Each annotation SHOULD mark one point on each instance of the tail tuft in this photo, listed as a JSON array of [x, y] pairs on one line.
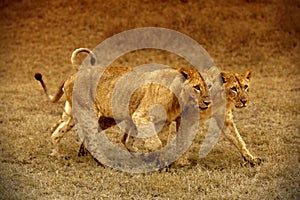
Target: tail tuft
[[38, 76], [93, 60]]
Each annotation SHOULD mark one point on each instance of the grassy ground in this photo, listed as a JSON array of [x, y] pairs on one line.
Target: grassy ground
[[39, 36]]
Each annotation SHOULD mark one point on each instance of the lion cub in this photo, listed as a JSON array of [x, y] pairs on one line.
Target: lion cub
[[237, 95], [236, 88], [140, 102]]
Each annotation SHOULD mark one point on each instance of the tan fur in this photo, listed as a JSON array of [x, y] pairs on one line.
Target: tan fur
[[145, 97], [66, 87], [236, 88], [141, 100], [237, 95]]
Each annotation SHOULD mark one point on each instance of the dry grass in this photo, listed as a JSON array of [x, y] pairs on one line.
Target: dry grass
[[40, 36]]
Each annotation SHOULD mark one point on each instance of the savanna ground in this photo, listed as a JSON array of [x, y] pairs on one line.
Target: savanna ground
[[39, 36]]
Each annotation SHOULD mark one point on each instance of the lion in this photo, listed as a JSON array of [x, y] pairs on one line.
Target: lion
[[237, 95], [148, 95], [141, 100], [66, 87], [236, 88]]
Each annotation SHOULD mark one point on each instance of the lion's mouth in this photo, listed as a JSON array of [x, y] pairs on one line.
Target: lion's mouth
[[203, 108], [240, 106]]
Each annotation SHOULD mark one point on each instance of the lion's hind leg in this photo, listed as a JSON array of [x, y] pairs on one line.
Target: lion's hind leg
[[64, 125]]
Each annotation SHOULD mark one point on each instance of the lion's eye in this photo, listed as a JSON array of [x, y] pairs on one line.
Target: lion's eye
[[233, 89], [246, 87], [209, 86], [197, 87]]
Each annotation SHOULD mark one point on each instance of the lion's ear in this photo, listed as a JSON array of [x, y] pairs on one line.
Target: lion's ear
[[184, 73], [224, 77], [247, 74]]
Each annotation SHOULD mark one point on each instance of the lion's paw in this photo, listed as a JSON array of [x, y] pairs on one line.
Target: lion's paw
[[255, 161]]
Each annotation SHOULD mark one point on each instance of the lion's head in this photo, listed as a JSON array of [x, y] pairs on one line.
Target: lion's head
[[237, 88], [199, 85]]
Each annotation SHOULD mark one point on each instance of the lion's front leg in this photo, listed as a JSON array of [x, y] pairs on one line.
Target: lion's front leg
[[147, 130], [231, 133]]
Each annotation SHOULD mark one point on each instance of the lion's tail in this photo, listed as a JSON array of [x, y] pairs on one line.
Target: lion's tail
[[86, 50], [57, 95]]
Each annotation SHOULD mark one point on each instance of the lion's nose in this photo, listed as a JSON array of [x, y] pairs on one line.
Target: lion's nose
[[244, 101], [206, 102]]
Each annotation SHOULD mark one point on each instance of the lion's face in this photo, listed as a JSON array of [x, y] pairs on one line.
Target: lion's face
[[237, 88], [199, 86]]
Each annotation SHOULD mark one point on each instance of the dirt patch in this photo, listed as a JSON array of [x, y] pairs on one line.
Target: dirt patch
[[39, 36]]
